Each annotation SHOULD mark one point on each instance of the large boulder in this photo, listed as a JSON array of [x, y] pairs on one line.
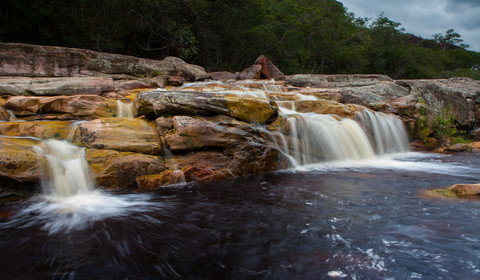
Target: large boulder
[[196, 133], [114, 169], [459, 190], [440, 97], [18, 160], [158, 103], [62, 107], [54, 86], [121, 134], [252, 72], [343, 80], [269, 70]]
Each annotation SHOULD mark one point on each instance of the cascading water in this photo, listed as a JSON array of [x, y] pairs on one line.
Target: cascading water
[[386, 132], [125, 110], [66, 172]]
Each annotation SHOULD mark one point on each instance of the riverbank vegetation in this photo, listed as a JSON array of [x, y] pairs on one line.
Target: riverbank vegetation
[[303, 36]]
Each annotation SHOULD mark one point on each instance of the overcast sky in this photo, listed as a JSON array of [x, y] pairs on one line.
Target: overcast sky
[[426, 17]]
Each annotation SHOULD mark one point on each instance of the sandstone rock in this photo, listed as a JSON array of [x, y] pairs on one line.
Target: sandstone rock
[[174, 60], [70, 107], [175, 81], [38, 129], [269, 70], [190, 72], [223, 76], [115, 169], [151, 182], [45, 61], [459, 190], [54, 86], [18, 160], [252, 72], [121, 134], [134, 84], [327, 107], [205, 133], [4, 115], [344, 80], [161, 103]]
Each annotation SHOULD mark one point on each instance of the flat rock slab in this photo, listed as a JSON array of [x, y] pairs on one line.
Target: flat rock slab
[[160, 103], [121, 134], [55, 86]]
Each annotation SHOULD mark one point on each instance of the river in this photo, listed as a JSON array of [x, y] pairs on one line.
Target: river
[[365, 219]]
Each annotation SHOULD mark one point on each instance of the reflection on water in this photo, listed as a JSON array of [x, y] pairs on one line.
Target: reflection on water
[[342, 221]]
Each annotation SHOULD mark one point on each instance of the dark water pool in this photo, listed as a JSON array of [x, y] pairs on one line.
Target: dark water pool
[[344, 221]]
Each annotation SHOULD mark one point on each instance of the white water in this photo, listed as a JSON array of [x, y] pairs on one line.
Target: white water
[[66, 172], [312, 138], [70, 200], [125, 110]]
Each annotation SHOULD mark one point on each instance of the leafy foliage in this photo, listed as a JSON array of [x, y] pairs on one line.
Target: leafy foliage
[[304, 36]]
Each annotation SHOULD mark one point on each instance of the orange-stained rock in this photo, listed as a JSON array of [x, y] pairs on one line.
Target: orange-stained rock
[[459, 190], [18, 159], [113, 169], [121, 134], [70, 107], [159, 103], [38, 129], [202, 133], [4, 116]]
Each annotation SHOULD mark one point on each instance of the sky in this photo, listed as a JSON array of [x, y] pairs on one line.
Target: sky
[[426, 17]]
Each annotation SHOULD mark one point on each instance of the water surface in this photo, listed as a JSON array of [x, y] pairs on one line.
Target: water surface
[[350, 220]]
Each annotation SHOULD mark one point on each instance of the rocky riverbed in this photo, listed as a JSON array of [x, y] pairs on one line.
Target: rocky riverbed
[[190, 125]]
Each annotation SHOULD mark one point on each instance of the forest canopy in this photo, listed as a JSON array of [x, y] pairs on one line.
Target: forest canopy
[[303, 36]]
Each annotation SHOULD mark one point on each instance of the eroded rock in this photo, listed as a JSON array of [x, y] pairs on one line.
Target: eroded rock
[[121, 134], [19, 160], [54, 86], [154, 104]]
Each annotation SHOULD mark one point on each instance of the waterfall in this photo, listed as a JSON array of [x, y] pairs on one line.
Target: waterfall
[[66, 172], [386, 132], [125, 110], [310, 138]]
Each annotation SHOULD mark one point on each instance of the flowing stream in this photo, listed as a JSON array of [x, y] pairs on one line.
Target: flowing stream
[[354, 207]]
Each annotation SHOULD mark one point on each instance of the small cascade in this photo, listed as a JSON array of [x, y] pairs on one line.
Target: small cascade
[[66, 172], [386, 132], [125, 110], [73, 129], [309, 138]]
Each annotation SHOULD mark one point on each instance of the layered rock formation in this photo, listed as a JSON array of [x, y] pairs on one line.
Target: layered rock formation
[[187, 133]]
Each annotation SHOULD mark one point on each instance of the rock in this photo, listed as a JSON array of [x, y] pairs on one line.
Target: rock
[[121, 134], [459, 190], [223, 76], [205, 133], [439, 97], [115, 169], [39, 129], [45, 61], [54, 86], [190, 72], [175, 81], [4, 115], [269, 70], [169, 177], [174, 60], [69, 107], [161, 103], [252, 72], [344, 80], [134, 84], [18, 160], [475, 134], [327, 107]]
